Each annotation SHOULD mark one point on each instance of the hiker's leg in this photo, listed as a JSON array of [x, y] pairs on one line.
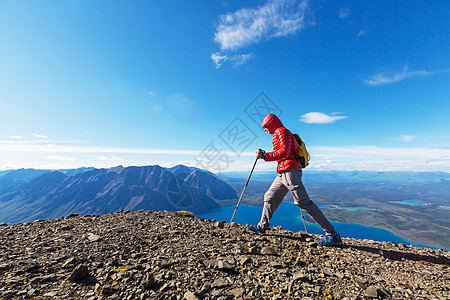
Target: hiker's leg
[[293, 180], [272, 199]]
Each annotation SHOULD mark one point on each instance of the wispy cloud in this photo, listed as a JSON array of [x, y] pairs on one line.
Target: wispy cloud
[[248, 26], [51, 148], [369, 157], [382, 78], [59, 158], [24, 141], [320, 118], [218, 59], [344, 13], [407, 138], [323, 157], [244, 27], [361, 33], [241, 59], [238, 60], [39, 136], [109, 158], [17, 137]]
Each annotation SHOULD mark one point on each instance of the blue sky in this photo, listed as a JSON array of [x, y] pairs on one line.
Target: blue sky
[[102, 83]]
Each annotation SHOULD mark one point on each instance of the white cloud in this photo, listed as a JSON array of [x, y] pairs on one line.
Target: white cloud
[[109, 158], [39, 136], [361, 33], [218, 59], [241, 59], [23, 140], [13, 156], [61, 158], [276, 18], [344, 13], [33, 148], [238, 60], [17, 137], [245, 27], [382, 78], [407, 138], [373, 158], [320, 118]]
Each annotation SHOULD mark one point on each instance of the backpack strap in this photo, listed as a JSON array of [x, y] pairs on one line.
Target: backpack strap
[[296, 156]]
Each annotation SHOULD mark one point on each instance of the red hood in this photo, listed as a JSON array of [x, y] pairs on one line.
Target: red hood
[[271, 122]]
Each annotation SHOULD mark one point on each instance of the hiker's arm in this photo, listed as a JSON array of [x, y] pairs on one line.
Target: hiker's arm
[[284, 146]]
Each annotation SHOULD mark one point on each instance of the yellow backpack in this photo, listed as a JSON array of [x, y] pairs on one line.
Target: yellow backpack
[[302, 154]]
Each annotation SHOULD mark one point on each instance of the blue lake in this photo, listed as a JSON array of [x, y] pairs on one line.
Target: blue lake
[[414, 202], [288, 216]]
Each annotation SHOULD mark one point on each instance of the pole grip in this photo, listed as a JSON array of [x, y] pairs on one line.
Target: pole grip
[[263, 152]]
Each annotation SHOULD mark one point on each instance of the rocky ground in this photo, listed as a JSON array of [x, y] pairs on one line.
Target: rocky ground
[[166, 255]]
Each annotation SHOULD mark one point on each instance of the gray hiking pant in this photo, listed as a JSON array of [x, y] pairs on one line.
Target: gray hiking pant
[[291, 180]]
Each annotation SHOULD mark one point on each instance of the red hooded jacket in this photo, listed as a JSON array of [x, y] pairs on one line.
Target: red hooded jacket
[[284, 144]]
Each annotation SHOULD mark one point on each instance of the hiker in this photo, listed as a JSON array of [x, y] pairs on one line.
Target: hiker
[[289, 178]]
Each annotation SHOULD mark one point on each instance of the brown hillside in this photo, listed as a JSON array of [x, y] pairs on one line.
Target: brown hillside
[[166, 255]]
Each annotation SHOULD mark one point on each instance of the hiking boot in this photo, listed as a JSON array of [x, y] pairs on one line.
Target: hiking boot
[[330, 241], [256, 229]]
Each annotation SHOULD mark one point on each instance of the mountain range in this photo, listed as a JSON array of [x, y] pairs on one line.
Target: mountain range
[[27, 195]]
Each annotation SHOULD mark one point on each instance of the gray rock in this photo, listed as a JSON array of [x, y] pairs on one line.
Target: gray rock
[[50, 294], [190, 296], [165, 287], [69, 262], [93, 237], [371, 292], [68, 227], [80, 272], [147, 281], [33, 292], [327, 273], [244, 260], [205, 288], [72, 215], [360, 282], [300, 276], [106, 290], [269, 251], [236, 292], [254, 250], [276, 265], [219, 283], [40, 279]]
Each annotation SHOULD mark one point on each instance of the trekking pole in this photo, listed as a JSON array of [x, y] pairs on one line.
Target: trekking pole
[[242, 194], [303, 217]]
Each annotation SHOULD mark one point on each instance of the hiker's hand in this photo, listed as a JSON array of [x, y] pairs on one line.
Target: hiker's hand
[[260, 153]]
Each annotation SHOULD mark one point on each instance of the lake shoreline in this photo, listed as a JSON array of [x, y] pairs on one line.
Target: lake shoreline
[[288, 216]]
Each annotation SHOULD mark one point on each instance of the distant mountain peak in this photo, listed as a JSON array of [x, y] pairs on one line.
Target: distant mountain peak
[[99, 191], [118, 169]]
